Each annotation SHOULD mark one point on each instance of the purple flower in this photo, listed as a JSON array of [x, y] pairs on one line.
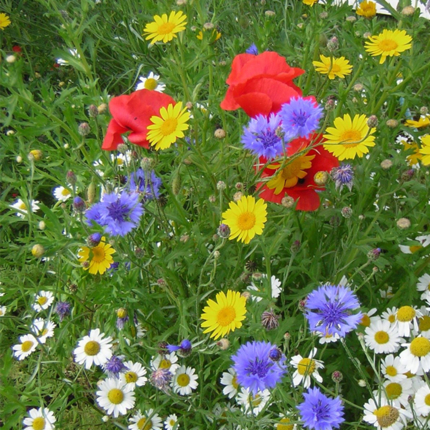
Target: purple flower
[[120, 322], [343, 176], [260, 136], [118, 214], [62, 309], [161, 378], [329, 310], [184, 348], [254, 367], [300, 117], [143, 182], [320, 412], [252, 50], [114, 365], [78, 204]]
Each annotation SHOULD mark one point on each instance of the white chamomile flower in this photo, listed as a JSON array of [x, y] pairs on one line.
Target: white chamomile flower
[[39, 419], [252, 403], [42, 329], [121, 160], [62, 194], [407, 319], [327, 338], [396, 392], [416, 356], [382, 337], [185, 380], [146, 421], [424, 286], [167, 361], [306, 367], [3, 310], [275, 285], [171, 421], [134, 374], [115, 397], [368, 318], [390, 315], [42, 300], [422, 401], [385, 416], [23, 207], [412, 249], [94, 348], [27, 345], [229, 380], [150, 82], [393, 369], [423, 323]]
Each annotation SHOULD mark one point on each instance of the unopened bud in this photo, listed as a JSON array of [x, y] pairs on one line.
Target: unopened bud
[[374, 254], [41, 225], [146, 164], [19, 159], [221, 185], [257, 276], [223, 344], [346, 212], [424, 110], [386, 164], [372, 121], [37, 251], [351, 18], [403, 223], [237, 196], [94, 239], [295, 247], [337, 376], [35, 154], [85, 264], [408, 10], [219, 133], [84, 129], [122, 148], [91, 193], [361, 383], [223, 231], [280, 132], [121, 313], [321, 178], [102, 108], [287, 202], [269, 320], [79, 204], [189, 105], [216, 254], [392, 123], [71, 177], [333, 44], [93, 111], [275, 354], [10, 59], [212, 199], [330, 103], [246, 294], [139, 252], [208, 26], [269, 13], [408, 175]]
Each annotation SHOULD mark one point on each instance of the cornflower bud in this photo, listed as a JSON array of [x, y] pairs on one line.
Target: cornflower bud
[[337, 376], [71, 177], [223, 231], [94, 239], [84, 129], [386, 164], [392, 123], [79, 204], [221, 185], [93, 111], [333, 44], [403, 223], [346, 212], [219, 133], [372, 121], [287, 202]]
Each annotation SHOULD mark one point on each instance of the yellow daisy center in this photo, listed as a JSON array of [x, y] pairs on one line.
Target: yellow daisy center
[[144, 424], [335, 68], [26, 346], [168, 126], [391, 371], [150, 84], [115, 396], [424, 323], [164, 364], [427, 400], [381, 337], [284, 426], [306, 366], [38, 423], [92, 348], [409, 375], [65, 192], [386, 415], [353, 136], [42, 300], [183, 380], [99, 254], [405, 314], [365, 321], [246, 221], [388, 45], [44, 332], [415, 248], [392, 319], [23, 206], [393, 390], [428, 286], [256, 400], [166, 28], [234, 382], [420, 347], [130, 376], [226, 316]]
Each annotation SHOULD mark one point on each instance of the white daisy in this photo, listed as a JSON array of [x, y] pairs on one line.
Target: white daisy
[[23, 208], [390, 315], [407, 318], [171, 421], [62, 194], [134, 374], [393, 369], [229, 379], [94, 348], [115, 397], [423, 240], [3, 310], [146, 421], [26, 347], [396, 392], [275, 285], [422, 401], [42, 300], [185, 381], [39, 419], [424, 285], [167, 361], [368, 318], [385, 416], [382, 337], [327, 338], [423, 323], [416, 379], [306, 367], [416, 355], [150, 82], [386, 293], [121, 160], [42, 329], [252, 404]]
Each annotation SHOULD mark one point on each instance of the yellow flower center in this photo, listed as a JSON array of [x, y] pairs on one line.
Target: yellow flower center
[[392, 319], [65, 192], [415, 248], [92, 348], [424, 323], [183, 380], [38, 423], [26, 346], [335, 68], [226, 316], [246, 221], [99, 254], [365, 321], [306, 366], [381, 337], [172, 422], [44, 332], [234, 382], [165, 28], [386, 415], [428, 286], [165, 364], [256, 400], [427, 400], [150, 84], [130, 376], [388, 45], [168, 126], [144, 424], [23, 206], [350, 137], [420, 346], [115, 396], [405, 314], [393, 390], [284, 426], [409, 375], [391, 371], [42, 300]]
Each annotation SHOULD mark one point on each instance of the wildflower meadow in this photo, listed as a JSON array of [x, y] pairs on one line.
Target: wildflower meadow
[[214, 214]]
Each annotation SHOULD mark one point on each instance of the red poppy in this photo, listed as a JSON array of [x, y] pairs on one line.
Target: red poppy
[[133, 113], [297, 177], [260, 84], [16, 48]]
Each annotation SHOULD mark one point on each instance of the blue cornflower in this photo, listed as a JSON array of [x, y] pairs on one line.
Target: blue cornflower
[[63, 309], [320, 412], [184, 348], [329, 310], [252, 50], [343, 176], [114, 365], [143, 182], [300, 117], [260, 136], [119, 214], [254, 367]]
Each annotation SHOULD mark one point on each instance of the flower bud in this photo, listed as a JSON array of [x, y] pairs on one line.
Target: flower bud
[[424, 110], [408, 11], [10, 59], [337, 376], [346, 212], [93, 111], [37, 251], [94, 239], [392, 123], [287, 202], [71, 177], [403, 223], [408, 175], [223, 344], [330, 103], [223, 231], [35, 154], [121, 313], [386, 164], [321, 178], [374, 254], [333, 44], [275, 354], [102, 108], [84, 129], [139, 252], [78, 204], [372, 121], [269, 320], [295, 247], [351, 18], [237, 196], [41, 225], [219, 133], [221, 185], [269, 13], [122, 148], [19, 159], [91, 193]]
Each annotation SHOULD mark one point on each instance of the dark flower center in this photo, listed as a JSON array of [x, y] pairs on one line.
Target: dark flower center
[[118, 211], [258, 367], [300, 118], [334, 314], [268, 138], [321, 411]]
